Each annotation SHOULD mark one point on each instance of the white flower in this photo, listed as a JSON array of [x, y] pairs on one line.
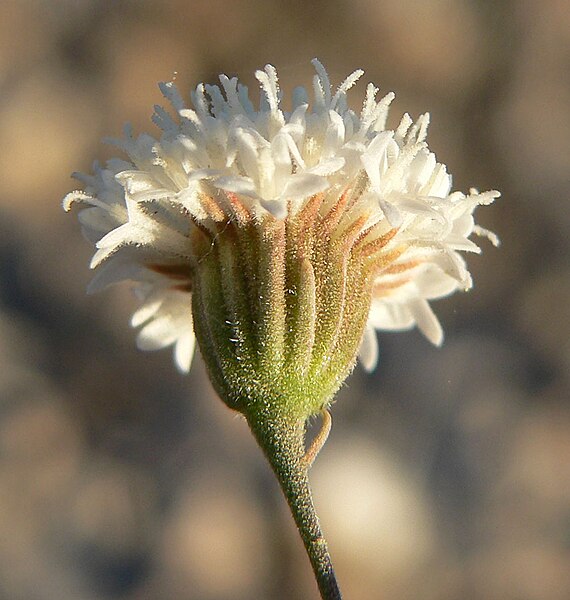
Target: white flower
[[222, 157]]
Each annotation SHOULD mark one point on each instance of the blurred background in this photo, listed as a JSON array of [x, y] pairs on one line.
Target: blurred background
[[447, 474]]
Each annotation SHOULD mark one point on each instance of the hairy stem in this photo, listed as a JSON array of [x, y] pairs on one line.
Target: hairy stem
[[283, 444]]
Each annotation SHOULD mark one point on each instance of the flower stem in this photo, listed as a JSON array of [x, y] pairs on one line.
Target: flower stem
[[282, 441]]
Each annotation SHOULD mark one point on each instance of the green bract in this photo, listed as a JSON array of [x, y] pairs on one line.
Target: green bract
[[280, 305]]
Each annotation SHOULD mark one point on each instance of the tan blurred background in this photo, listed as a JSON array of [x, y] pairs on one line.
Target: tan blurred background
[[447, 475]]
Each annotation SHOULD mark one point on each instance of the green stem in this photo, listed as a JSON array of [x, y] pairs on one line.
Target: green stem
[[283, 444]]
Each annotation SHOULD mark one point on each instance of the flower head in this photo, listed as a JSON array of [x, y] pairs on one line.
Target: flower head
[[288, 237]]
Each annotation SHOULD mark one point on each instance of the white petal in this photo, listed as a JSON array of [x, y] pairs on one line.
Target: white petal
[[391, 212], [278, 208], [303, 185], [157, 334], [97, 222], [184, 351], [439, 184], [270, 85], [492, 237], [417, 205], [334, 137], [346, 85], [248, 145], [374, 154], [453, 264], [146, 311], [328, 166], [368, 351], [189, 199], [433, 283], [390, 316], [427, 322], [113, 272], [461, 243], [198, 174], [237, 185], [76, 197]]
